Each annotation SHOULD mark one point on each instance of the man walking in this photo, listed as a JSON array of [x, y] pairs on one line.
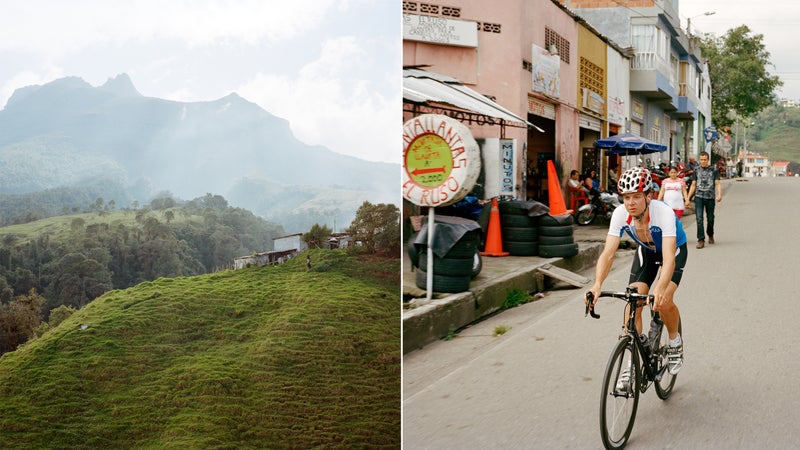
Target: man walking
[[706, 184]]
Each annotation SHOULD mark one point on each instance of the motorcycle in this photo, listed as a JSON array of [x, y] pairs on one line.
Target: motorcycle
[[603, 205]]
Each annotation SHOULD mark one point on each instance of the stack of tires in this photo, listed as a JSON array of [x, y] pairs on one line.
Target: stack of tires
[[556, 237], [453, 271], [519, 230]]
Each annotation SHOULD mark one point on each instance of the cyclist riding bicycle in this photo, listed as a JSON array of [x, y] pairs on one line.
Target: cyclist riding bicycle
[[652, 224]]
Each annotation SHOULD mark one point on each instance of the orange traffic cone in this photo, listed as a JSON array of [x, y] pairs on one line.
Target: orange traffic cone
[[494, 240], [557, 206]]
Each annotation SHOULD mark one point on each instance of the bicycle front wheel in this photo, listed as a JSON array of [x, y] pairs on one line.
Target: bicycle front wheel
[[665, 384], [619, 397]]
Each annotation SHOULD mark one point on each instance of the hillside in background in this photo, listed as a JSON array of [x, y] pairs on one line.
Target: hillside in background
[[68, 133], [775, 132], [269, 357], [72, 259]]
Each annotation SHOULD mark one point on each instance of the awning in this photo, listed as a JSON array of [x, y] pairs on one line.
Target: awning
[[629, 144], [421, 86]]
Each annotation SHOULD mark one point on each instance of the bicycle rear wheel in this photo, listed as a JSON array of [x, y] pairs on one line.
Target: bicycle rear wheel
[[618, 406], [667, 382]]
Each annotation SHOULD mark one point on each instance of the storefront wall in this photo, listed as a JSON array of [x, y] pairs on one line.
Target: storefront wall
[[500, 67], [592, 93], [547, 24]]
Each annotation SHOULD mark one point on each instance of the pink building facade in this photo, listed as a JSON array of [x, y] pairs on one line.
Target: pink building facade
[[525, 57]]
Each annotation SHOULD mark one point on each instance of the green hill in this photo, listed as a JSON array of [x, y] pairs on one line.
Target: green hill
[[775, 132], [271, 357]]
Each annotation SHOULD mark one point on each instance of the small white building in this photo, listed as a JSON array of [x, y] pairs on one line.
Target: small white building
[[756, 165], [263, 259], [290, 242]]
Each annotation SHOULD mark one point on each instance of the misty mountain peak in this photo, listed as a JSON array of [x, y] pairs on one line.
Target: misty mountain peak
[[66, 83], [121, 85]]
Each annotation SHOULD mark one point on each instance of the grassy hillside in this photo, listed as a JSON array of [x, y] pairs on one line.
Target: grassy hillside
[[271, 357], [59, 227], [775, 132]]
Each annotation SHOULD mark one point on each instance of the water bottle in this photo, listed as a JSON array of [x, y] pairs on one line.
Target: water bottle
[[643, 339], [656, 325]]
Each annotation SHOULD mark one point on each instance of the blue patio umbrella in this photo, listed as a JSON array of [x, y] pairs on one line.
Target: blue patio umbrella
[[628, 144]]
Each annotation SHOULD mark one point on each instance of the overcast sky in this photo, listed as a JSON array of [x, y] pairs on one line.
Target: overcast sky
[[776, 20], [330, 67]]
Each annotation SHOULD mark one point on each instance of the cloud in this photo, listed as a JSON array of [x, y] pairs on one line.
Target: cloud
[[345, 100], [69, 27]]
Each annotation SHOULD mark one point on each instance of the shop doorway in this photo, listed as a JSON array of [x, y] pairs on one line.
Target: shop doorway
[[541, 148]]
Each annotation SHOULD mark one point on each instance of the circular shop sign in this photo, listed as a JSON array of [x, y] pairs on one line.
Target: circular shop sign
[[441, 160]]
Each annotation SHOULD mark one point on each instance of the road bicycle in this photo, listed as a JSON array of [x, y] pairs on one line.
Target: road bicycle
[[646, 360]]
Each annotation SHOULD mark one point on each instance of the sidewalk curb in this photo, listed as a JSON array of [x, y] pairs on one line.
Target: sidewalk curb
[[435, 320]]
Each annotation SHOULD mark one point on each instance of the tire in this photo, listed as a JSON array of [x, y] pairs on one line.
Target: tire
[[585, 217], [556, 240], [465, 247], [517, 220], [411, 249], [667, 382], [555, 221], [443, 283], [451, 267], [513, 207], [477, 265], [520, 234], [547, 230], [516, 248], [558, 251], [618, 410]]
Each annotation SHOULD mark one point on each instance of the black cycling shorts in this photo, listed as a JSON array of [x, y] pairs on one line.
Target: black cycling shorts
[[646, 264]]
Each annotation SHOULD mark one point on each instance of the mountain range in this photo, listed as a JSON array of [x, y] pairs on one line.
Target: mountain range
[[68, 133]]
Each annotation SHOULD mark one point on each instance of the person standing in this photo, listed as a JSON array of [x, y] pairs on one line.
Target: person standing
[[706, 185], [673, 192], [688, 173]]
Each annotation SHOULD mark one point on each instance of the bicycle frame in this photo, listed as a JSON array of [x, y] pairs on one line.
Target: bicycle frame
[[641, 352]]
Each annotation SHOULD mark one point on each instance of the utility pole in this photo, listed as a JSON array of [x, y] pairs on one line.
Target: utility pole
[[689, 22]]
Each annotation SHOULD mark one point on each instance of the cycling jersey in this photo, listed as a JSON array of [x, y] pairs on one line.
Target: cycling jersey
[[663, 223]]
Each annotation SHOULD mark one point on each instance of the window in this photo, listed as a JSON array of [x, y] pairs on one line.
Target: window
[[663, 44], [553, 38], [674, 76], [651, 44], [591, 76], [644, 41], [655, 134]]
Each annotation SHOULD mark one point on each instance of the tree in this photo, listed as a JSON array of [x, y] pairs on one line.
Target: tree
[[317, 235], [76, 280], [77, 224], [739, 79], [19, 320], [376, 226]]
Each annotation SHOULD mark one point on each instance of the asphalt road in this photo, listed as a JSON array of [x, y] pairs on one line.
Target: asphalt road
[[538, 385]]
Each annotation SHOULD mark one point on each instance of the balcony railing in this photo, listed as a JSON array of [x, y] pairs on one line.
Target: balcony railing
[[643, 61]]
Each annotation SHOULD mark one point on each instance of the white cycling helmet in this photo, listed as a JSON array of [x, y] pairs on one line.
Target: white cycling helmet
[[635, 179]]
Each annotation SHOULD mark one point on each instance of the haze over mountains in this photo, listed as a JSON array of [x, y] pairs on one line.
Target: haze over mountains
[[68, 133]]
